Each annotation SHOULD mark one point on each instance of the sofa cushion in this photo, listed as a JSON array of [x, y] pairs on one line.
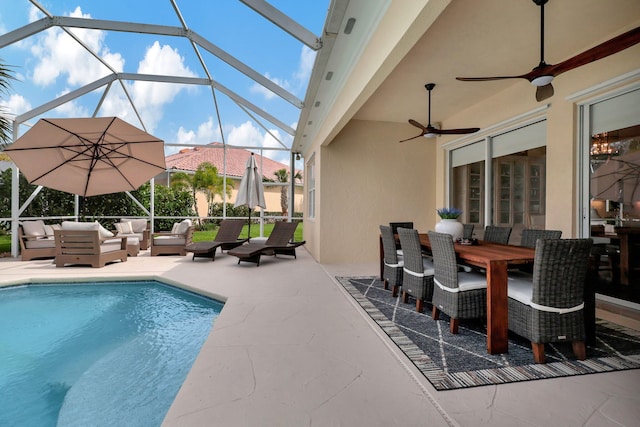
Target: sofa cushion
[[168, 241], [34, 228], [44, 242], [73, 225]]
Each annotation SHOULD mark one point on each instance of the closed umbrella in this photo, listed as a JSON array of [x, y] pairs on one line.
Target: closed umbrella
[[251, 191], [88, 156]]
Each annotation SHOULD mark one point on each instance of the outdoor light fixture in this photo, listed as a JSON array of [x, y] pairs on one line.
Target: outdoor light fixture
[[297, 156], [349, 27], [542, 80]]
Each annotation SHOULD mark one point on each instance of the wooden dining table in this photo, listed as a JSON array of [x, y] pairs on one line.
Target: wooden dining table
[[495, 259]]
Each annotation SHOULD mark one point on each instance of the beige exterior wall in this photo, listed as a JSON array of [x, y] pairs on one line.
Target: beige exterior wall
[[366, 178]]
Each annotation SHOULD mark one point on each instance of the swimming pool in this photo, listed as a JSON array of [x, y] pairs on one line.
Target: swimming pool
[[97, 354]]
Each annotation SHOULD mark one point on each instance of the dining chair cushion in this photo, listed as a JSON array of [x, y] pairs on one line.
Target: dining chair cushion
[[466, 282], [399, 264], [520, 287], [427, 267]]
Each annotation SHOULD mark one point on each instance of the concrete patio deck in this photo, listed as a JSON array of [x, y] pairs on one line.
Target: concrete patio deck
[[291, 348]]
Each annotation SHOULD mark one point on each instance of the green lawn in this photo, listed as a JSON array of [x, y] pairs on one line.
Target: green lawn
[[198, 236]]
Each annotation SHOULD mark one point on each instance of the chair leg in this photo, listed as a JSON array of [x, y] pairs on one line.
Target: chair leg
[[386, 284], [405, 297], [538, 352], [453, 325], [419, 305], [579, 350], [435, 313], [394, 292]]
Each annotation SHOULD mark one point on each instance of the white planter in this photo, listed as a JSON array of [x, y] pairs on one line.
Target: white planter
[[450, 226]]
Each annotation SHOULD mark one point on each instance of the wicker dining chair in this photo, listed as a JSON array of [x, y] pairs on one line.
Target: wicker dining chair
[[393, 262], [459, 294], [531, 235], [497, 234], [417, 272], [549, 306], [467, 231]]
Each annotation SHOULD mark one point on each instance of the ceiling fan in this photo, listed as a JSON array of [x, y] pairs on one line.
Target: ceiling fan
[[542, 75], [429, 131]]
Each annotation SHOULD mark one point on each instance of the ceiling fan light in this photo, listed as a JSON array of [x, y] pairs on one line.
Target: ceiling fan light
[[430, 135], [542, 80]]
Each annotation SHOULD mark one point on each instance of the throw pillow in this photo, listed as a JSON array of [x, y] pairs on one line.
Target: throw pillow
[[48, 230], [124, 227], [174, 229], [104, 233]]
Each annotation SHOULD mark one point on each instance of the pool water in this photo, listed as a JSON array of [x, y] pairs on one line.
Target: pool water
[[97, 354]]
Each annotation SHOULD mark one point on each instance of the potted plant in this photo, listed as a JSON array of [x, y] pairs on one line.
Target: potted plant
[[449, 223]]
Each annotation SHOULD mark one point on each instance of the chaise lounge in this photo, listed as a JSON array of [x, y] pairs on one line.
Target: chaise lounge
[[226, 238], [278, 243]]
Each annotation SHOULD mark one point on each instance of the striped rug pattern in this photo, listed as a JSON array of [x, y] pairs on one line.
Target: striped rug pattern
[[458, 361]]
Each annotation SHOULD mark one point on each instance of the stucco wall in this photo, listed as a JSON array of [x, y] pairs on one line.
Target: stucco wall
[[367, 179]]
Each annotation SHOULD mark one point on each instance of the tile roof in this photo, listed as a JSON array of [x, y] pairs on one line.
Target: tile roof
[[188, 159]]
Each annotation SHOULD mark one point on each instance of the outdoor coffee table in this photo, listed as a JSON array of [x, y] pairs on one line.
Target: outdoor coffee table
[[203, 250]]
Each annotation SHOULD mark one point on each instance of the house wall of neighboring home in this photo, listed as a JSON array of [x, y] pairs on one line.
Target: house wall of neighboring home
[[271, 196], [366, 178]]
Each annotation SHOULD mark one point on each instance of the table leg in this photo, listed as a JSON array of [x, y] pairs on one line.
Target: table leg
[[381, 259], [624, 259], [497, 308]]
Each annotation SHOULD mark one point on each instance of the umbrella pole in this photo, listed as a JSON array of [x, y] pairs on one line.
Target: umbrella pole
[[249, 231]]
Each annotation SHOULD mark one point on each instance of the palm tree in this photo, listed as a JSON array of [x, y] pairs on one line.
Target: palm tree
[[5, 123], [205, 179], [282, 175]]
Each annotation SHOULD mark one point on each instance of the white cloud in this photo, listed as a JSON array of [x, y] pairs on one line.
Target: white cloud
[[150, 97], [15, 105], [59, 55], [206, 133], [246, 135]]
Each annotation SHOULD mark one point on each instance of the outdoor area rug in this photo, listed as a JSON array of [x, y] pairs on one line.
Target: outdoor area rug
[[458, 361]]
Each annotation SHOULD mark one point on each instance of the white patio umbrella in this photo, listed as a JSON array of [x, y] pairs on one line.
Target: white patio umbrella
[[251, 191]]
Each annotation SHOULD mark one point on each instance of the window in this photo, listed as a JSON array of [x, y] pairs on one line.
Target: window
[[311, 187], [501, 180]]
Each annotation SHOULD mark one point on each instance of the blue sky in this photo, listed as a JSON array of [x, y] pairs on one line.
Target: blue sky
[[50, 63]]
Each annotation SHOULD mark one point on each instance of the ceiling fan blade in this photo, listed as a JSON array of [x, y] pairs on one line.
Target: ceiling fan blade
[[614, 45], [456, 131], [413, 137], [544, 92], [486, 79], [418, 125]]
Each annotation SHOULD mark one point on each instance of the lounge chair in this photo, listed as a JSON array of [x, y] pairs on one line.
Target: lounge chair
[[34, 240], [174, 242], [227, 238], [278, 243]]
